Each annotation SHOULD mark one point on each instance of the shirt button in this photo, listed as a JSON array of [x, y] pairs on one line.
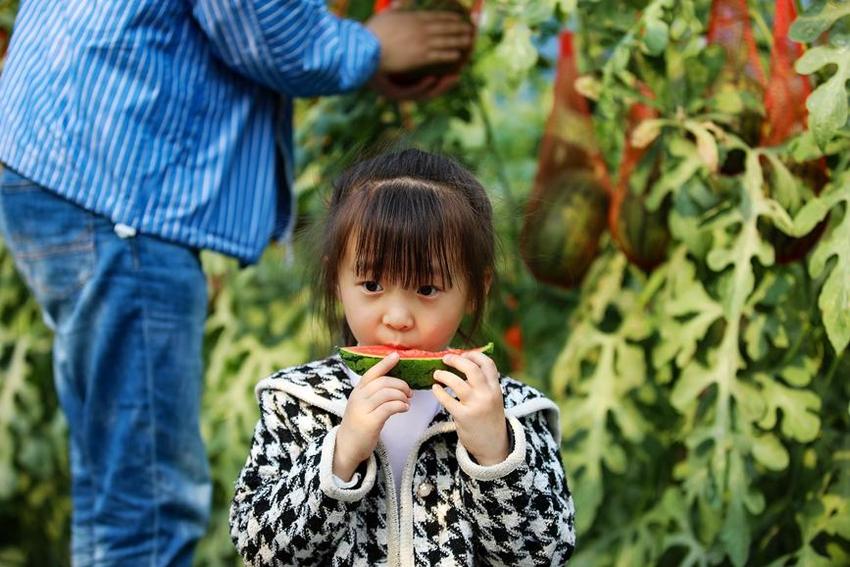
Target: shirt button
[[425, 489]]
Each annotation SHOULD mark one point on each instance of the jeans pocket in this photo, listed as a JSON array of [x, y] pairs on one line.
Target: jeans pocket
[[51, 239]]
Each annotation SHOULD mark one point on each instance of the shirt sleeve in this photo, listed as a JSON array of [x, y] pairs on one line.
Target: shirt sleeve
[[522, 508], [355, 480], [296, 47], [286, 503]]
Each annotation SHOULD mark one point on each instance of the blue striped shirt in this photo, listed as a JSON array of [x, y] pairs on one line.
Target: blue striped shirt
[[173, 116]]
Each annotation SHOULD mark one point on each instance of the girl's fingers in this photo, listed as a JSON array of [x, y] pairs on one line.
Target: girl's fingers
[[380, 369], [388, 409], [385, 383], [384, 396], [469, 368], [451, 404], [486, 364], [453, 381]]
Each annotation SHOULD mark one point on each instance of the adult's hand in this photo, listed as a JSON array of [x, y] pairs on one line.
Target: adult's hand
[[413, 39]]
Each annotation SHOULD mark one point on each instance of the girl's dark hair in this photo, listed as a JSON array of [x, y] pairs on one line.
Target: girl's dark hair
[[415, 215]]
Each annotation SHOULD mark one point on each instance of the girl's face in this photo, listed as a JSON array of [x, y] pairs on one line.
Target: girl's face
[[381, 313]]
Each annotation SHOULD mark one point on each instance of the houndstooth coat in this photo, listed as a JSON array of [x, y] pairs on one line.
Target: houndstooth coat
[[287, 509]]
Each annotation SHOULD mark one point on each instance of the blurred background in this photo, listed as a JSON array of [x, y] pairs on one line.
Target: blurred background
[[671, 196]]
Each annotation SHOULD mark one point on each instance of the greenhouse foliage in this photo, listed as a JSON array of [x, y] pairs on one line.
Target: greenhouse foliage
[[704, 397]]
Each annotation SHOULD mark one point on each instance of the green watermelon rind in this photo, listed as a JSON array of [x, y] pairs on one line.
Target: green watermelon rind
[[417, 372]]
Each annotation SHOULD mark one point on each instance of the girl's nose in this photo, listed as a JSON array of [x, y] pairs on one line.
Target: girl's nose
[[398, 317]]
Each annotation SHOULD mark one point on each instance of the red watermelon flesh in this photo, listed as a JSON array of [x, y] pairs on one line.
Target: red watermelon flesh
[[416, 367]]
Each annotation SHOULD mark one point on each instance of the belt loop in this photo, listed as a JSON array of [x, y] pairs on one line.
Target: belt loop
[[123, 231]]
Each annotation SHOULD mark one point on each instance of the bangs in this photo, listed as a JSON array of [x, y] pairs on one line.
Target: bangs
[[409, 237], [408, 218]]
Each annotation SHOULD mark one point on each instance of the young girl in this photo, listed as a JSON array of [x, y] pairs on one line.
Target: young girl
[[360, 470]]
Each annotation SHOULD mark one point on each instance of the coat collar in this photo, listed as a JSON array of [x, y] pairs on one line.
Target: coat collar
[[325, 384]]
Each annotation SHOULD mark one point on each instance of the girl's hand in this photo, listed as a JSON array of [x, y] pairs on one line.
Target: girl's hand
[[375, 398], [479, 409]]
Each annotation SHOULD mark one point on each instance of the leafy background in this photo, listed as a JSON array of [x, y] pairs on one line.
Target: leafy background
[[704, 404]]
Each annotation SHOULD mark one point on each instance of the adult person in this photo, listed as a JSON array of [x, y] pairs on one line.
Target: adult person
[[133, 135]]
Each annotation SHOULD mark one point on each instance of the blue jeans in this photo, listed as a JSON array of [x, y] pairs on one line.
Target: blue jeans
[[128, 316]]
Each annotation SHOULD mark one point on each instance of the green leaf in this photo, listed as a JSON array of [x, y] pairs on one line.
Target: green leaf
[[827, 105], [813, 213], [676, 177], [728, 100], [749, 399], [834, 299], [811, 24], [516, 51], [735, 533], [812, 558], [604, 285], [800, 409], [615, 459], [646, 132], [823, 513], [695, 378], [770, 452], [567, 6], [7, 21], [800, 371], [8, 474], [755, 337], [706, 144], [687, 312], [656, 37], [784, 187], [746, 246]]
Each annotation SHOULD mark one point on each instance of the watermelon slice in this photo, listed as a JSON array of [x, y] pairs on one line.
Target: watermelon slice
[[416, 367]]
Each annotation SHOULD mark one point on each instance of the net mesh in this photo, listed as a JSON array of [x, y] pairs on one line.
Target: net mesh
[[641, 234], [729, 27], [786, 116], [785, 97], [566, 210]]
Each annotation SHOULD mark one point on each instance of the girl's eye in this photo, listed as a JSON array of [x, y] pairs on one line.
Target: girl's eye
[[372, 286], [428, 290]]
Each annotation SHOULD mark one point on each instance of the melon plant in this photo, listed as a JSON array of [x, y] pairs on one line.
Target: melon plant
[[416, 367]]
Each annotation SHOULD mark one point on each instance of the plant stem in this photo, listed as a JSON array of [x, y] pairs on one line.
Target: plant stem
[[514, 213], [833, 368], [507, 193]]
